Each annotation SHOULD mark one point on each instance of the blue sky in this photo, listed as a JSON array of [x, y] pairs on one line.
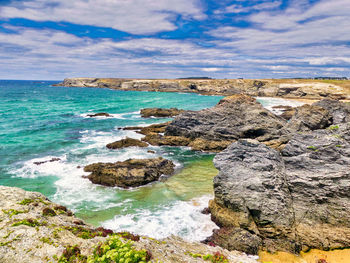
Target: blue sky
[[54, 39]]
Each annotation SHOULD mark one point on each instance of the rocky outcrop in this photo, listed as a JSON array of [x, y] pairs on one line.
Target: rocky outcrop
[[309, 117], [28, 234], [286, 88], [130, 173], [340, 111], [159, 112], [127, 142], [294, 200], [99, 114], [48, 161], [234, 117]]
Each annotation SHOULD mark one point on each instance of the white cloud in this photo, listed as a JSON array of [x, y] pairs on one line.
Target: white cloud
[[133, 16], [210, 69]]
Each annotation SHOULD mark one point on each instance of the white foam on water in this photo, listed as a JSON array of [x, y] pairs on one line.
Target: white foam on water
[[269, 103], [180, 218]]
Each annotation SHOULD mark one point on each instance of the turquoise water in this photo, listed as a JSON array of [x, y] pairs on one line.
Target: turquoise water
[[39, 122]]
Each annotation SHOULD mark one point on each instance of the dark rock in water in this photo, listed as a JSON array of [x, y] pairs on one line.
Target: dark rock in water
[[127, 142], [159, 112], [309, 117], [234, 117], [294, 200], [48, 161], [130, 173], [100, 114], [154, 128], [340, 111], [150, 151]]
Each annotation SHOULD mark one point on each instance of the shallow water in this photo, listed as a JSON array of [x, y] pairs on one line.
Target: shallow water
[[39, 122]]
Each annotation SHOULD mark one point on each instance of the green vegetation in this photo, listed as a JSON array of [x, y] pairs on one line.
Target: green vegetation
[[46, 240], [115, 250], [313, 148], [13, 212], [334, 127], [29, 222], [72, 254], [48, 212], [26, 201], [216, 258]]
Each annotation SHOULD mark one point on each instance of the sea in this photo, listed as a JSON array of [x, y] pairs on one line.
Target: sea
[[46, 139]]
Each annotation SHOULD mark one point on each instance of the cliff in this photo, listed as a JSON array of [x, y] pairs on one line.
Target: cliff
[[288, 88]]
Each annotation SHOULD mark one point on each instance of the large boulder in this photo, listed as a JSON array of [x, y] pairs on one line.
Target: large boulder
[[160, 112], [234, 117], [294, 200], [130, 173]]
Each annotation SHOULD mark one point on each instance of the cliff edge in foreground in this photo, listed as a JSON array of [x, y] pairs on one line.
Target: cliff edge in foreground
[[33, 230]]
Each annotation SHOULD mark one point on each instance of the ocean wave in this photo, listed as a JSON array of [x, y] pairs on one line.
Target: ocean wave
[[182, 218]]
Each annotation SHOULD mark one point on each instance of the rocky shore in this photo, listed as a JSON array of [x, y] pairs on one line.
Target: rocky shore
[[286, 88], [283, 184], [33, 230]]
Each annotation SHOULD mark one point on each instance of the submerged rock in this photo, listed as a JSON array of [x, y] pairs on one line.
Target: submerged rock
[[127, 142], [100, 114], [130, 173], [48, 161], [160, 112], [292, 201]]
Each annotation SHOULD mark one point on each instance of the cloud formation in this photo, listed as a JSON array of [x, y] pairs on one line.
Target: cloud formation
[[168, 39]]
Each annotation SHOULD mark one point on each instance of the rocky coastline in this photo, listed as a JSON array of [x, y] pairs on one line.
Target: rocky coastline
[[283, 88], [283, 184]]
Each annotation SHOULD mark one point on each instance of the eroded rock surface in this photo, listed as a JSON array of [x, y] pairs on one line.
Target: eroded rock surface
[[130, 173], [160, 112], [234, 117], [29, 235], [293, 200]]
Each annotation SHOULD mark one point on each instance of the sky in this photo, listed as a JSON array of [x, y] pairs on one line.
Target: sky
[[56, 39]]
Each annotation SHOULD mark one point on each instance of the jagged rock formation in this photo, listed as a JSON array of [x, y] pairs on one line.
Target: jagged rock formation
[[159, 112], [127, 142], [130, 173], [291, 88], [292, 201], [234, 117], [33, 229]]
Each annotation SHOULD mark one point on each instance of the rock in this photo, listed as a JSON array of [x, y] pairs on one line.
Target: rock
[[127, 142], [309, 117], [130, 173], [27, 236], [340, 111], [287, 111], [207, 145], [48, 161], [100, 114], [159, 140], [154, 128], [292, 201], [150, 151], [160, 113], [234, 117]]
